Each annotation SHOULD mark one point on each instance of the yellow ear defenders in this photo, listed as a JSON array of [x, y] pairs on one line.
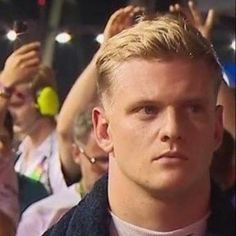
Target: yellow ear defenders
[[47, 101]]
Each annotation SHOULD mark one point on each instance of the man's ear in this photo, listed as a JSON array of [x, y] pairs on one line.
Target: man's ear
[[75, 153], [101, 126], [219, 128]]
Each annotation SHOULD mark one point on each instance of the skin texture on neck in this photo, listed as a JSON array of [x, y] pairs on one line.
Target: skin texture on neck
[[163, 213]]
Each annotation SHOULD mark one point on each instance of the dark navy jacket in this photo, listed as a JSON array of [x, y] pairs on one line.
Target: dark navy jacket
[[91, 216]]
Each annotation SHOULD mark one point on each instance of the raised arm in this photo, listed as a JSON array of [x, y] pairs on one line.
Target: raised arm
[[84, 91]]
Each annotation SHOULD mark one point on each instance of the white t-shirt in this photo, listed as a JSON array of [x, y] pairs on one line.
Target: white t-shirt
[[8, 190], [41, 215], [121, 228], [45, 166]]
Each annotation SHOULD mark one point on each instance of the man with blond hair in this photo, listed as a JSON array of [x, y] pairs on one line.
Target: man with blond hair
[[158, 83]]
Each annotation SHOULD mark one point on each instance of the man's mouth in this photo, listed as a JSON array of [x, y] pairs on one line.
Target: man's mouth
[[171, 157]]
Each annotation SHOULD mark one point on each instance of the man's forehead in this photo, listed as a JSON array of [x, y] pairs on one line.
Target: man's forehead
[[151, 77], [138, 70]]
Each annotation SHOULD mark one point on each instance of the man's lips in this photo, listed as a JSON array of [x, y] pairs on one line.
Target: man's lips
[[172, 156]]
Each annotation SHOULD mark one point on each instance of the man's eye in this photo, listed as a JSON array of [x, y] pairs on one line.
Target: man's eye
[[148, 110]]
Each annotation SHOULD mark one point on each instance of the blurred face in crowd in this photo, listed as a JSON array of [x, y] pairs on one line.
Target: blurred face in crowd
[[23, 110], [160, 125], [92, 159]]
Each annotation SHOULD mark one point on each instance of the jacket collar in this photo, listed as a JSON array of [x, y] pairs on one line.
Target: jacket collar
[[92, 216]]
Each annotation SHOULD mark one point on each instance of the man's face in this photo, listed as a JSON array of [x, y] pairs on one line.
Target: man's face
[[23, 110], [162, 125]]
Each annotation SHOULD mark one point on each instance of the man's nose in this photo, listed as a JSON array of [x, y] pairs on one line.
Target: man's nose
[[172, 126]]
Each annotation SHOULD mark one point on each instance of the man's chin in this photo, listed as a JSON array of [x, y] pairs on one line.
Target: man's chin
[[170, 183]]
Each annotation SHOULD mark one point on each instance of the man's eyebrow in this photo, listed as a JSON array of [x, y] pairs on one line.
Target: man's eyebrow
[[155, 102], [191, 100], [140, 103]]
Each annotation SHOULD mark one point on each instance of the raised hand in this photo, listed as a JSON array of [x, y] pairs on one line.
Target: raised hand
[[120, 20], [21, 65], [193, 14]]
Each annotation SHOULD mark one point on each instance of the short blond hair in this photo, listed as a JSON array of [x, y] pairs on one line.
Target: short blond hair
[[164, 37]]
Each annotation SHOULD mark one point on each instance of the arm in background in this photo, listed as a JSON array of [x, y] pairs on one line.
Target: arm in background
[[84, 91]]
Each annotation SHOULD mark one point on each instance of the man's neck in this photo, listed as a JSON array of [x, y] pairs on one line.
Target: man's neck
[[160, 214]]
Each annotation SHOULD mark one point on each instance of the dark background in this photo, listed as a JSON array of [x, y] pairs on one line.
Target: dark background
[[84, 19]]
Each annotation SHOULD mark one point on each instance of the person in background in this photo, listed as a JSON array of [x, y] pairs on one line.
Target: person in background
[[9, 206], [39, 146], [76, 102], [49, 210], [227, 98], [159, 121], [33, 104], [223, 166], [84, 91], [93, 163]]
